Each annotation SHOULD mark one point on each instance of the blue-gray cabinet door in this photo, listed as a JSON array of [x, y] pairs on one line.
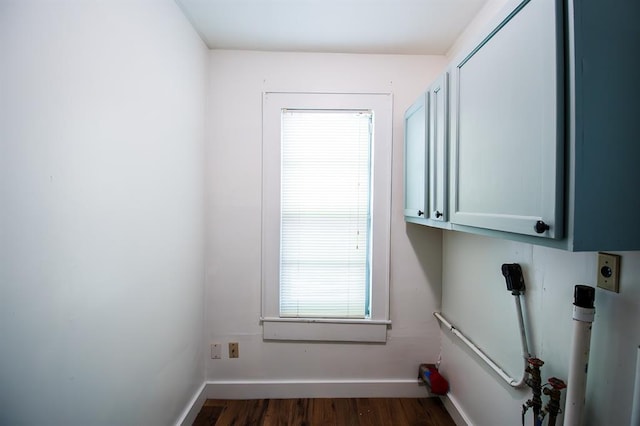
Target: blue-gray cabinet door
[[507, 126], [415, 159], [438, 143]]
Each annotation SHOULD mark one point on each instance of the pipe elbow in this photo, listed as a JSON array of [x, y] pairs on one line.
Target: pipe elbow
[[517, 383]]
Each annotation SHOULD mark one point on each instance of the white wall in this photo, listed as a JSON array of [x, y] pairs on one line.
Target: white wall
[[234, 237], [475, 299], [101, 212]]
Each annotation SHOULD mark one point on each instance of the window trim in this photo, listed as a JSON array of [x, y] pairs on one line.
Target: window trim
[[373, 329]]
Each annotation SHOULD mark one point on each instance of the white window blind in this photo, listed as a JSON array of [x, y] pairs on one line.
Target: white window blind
[[325, 228]]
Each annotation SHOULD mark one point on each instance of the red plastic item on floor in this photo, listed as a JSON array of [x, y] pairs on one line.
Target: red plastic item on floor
[[437, 384]]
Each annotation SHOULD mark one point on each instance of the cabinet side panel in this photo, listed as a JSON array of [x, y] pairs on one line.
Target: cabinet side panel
[[607, 149]]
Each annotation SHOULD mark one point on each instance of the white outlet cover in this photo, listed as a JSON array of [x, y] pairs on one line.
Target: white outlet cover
[[216, 351]]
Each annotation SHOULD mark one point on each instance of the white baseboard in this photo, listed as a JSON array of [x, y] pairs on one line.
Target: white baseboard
[[455, 410], [407, 388], [190, 413]]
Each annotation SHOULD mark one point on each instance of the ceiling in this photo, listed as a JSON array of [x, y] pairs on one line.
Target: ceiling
[[427, 27]]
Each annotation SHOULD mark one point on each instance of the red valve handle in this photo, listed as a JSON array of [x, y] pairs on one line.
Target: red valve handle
[[536, 362], [557, 383]]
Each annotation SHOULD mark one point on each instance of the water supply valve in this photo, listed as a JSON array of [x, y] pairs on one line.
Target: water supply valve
[[534, 381], [553, 407]]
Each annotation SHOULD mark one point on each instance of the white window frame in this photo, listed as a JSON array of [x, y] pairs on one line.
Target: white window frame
[[374, 328]]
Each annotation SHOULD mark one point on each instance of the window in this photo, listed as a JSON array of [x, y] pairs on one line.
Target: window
[[326, 212]]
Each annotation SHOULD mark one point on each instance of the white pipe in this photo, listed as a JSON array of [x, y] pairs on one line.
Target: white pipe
[[495, 367], [578, 365], [635, 407]]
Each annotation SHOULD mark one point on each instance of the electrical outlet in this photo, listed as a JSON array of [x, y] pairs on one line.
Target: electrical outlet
[[608, 271], [216, 351], [233, 350]]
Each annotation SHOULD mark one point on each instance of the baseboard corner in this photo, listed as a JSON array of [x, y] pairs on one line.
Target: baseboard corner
[[454, 409], [194, 406]]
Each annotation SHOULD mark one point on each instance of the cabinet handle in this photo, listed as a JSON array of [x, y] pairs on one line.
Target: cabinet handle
[[420, 212], [438, 214], [540, 227]]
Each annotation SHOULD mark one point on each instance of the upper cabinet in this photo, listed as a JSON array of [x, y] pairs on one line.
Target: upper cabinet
[[425, 160], [542, 143]]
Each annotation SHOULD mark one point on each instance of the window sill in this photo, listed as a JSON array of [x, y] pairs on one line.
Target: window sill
[[327, 330]]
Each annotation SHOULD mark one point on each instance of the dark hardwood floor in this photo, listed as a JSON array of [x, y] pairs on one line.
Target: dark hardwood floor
[[325, 411]]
